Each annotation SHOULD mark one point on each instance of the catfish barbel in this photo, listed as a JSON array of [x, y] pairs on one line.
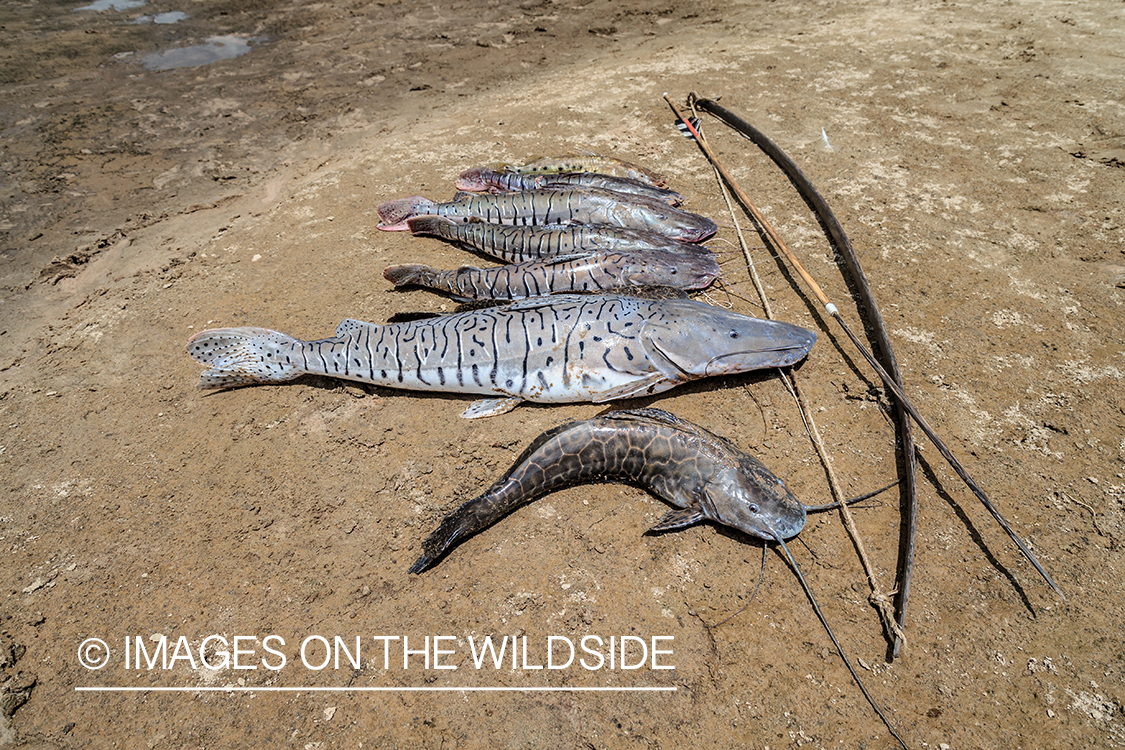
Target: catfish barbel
[[559, 349], [568, 205], [580, 272], [588, 163], [513, 244], [705, 476], [484, 180]]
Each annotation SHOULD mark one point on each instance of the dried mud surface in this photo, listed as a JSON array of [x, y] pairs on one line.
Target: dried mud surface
[[972, 151]]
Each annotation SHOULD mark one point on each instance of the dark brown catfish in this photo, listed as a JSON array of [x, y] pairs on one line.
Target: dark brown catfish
[[705, 476]]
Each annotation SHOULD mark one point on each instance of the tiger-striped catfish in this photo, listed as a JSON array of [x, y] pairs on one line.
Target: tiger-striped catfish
[[580, 272], [564, 348], [484, 180], [705, 476], [568, 205], [513, 244]]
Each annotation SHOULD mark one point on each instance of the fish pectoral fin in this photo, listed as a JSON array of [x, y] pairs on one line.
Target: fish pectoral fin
[[491, 407], [679, 518], [629, 390]]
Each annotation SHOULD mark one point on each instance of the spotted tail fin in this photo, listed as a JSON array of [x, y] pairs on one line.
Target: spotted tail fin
[[243, 356], [393, 214]]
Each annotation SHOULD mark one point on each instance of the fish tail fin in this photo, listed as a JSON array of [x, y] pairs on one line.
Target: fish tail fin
[[456, 526], [408, 273], [429, 224], [393, 214], [474, 180], [243, 356]]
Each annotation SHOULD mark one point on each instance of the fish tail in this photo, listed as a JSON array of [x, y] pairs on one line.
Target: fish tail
[[393, 214], [457, 525], [243, 356], [409, 273], [474, 180], [430, 224]]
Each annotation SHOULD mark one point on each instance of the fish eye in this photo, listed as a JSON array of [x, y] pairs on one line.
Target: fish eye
[[735, 334], [753, 507]]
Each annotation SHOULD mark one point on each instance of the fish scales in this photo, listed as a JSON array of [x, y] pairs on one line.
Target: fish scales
[[570, 205], [563, 348], [513, 244], [586, 272], [705, 476]]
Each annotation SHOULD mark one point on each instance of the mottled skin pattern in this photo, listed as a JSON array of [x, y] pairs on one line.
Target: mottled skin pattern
[[584, 272], [480, 179], [569, 205], [519, 244], [588, 163], [705, 476]]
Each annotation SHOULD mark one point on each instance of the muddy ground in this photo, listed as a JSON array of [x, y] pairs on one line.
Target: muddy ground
[[973, 152]]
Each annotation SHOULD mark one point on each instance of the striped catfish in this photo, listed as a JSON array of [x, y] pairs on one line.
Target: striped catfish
[[580, 272], [588, 163], [569, 205], [518, 244], [484, 180], [565, 348]]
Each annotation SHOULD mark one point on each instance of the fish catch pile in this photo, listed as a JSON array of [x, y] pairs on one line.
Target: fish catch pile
[[559, 232], [577, 234], [575, 240]]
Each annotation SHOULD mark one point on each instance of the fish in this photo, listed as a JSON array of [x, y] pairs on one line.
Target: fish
[[558, 349], [570, 205], [484, 180], [514, 244], [705, 476], [588, 163], [578, 272]]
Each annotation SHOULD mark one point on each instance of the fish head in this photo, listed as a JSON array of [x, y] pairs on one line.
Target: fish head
[[749, 497], [684, 226], [693, 340], [677, 270]]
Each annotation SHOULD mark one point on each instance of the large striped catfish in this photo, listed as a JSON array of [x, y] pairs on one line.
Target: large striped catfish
[[564, 348], [513, 244], [484, 180], [565, 205], [580, 272]]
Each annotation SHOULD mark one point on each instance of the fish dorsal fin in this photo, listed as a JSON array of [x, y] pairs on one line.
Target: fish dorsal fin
[[349, 327], [532, 303], [650, 415], [679, 518], [659, 416]]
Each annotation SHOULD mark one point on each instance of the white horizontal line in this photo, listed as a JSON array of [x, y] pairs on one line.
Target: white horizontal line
[[241, 689]]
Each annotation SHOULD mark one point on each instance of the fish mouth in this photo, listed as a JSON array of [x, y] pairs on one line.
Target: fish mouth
[[755, 359]]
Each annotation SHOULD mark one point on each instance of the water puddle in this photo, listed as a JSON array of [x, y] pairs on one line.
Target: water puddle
[[163, 18], [102, 5], [215, 48]]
